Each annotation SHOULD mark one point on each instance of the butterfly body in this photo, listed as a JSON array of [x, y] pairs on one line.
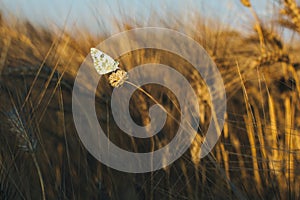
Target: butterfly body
[[104, 64]]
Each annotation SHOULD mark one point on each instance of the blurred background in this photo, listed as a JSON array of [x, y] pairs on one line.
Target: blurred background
[[87, 15], [255, 45]]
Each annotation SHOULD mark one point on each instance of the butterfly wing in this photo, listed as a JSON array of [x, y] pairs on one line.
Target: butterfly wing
[[103, 63]]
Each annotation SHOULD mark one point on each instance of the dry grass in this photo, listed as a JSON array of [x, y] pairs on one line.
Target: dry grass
[[256, 157]]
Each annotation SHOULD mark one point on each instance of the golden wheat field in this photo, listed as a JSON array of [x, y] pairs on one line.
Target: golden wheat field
[[256, 157]]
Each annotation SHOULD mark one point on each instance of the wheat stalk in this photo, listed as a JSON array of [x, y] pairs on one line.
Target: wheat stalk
[[292, 11]]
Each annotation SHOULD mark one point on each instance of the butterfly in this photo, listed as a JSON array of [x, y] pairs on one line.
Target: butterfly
[[105, 64]]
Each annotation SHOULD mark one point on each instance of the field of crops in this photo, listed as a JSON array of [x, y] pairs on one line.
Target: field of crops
[[256, 157]]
